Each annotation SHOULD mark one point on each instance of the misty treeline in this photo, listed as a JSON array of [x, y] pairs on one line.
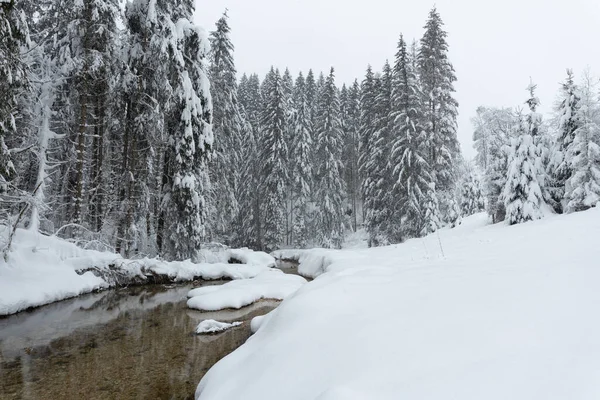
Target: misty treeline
[[126, 129], [533, 167]]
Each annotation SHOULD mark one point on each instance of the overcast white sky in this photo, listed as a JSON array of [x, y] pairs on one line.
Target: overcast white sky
[[495, 46]]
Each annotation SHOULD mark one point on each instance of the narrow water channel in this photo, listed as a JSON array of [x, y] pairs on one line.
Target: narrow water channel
[[133, 343]]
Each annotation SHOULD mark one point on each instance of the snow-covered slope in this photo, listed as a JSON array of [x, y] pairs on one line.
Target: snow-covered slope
[[43, 269], [478, 312]]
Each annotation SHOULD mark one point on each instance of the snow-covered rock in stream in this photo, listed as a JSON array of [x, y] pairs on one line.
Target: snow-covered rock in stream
[[271, 284], [479, 312], [43, 269], [212, 326]]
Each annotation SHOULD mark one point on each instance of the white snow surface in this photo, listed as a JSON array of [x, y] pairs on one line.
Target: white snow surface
[[504, 313], [257, 322], [212, 326], [43, 269], [251, 257], [270, 284]]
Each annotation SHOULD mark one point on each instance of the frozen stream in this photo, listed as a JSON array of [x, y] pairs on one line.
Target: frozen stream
[[132, 343]]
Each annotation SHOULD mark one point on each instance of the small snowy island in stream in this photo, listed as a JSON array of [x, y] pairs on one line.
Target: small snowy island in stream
[[212, 326], [268, 285]]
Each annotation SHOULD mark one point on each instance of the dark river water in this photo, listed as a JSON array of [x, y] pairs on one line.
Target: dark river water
[[135, 343]]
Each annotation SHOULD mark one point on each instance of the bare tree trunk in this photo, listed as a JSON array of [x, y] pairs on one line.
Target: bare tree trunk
[[100, 159], [130, 194], [80, 161], [95, 195], [161, 219], [124, 178]]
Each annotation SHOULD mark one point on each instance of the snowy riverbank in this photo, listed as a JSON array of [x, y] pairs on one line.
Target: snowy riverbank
[[42, 269], [478, 312]]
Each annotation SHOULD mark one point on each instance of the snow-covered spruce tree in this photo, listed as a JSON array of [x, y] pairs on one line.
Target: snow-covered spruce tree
[[369, 88], [471, 196], [248, 223], [522, 194], [189, 125], [301, 153], [329, 190], [227, 128], [244, 227], [351, 126], [319, 87], [494, 129], [274, 158], [288, 84], [343, 95], [311, 93], [242, 92], [414, 204], [378, 203], [288, 90], [559, 168], [13, 80], [582, 188], [437, 81], [145, 93]]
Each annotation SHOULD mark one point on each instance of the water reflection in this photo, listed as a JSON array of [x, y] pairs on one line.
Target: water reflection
[[124, 344]]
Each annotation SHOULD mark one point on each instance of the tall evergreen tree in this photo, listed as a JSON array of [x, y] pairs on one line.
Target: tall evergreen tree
[[330, 190], [437, 80], [274, 156], [414, 203], [301, 153], [522, 194], [248, 223], [351, 127], [250, 99], [560, 170], [378, 200], [227, 128], [311, 93], [369, 88], [190, 144], [288, 90], [582, 188]]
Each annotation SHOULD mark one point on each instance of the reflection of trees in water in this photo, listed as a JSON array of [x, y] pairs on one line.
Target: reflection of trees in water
[[138, 353]]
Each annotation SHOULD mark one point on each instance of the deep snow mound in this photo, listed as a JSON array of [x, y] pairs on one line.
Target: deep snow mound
[[476, 312]]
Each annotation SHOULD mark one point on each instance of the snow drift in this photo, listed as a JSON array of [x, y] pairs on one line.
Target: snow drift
[[43, 269], [478, 312]]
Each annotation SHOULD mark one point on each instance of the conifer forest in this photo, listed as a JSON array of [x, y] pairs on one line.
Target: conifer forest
[[130, 129]]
